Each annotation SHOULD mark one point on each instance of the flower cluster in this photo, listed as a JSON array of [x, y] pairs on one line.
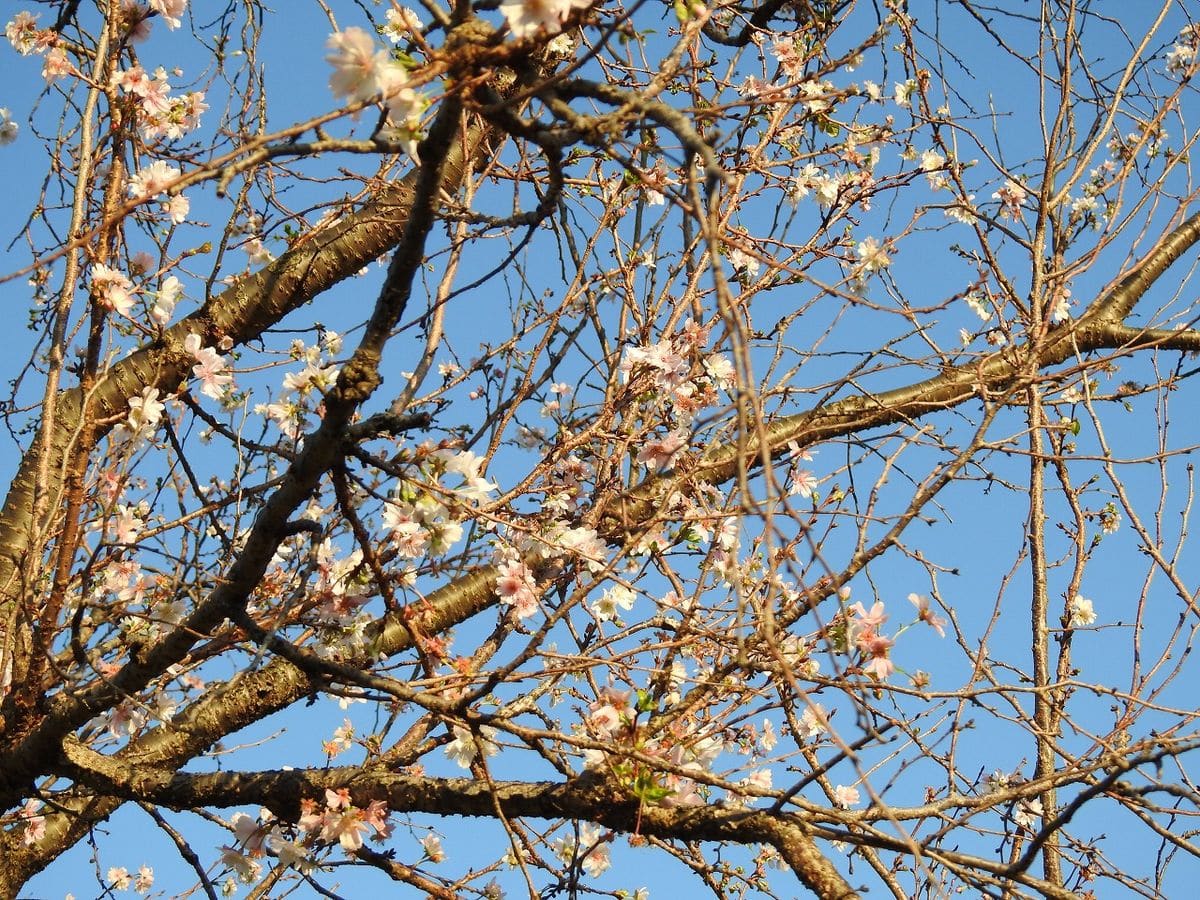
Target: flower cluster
[[120, 878], [153, 181], [1011, 196], [466, 747], [680, 372], [590, 851], [211, 368], [112, 289], [1181, 60], [145, 412], [289, 412], [419, 521], [862, 632], [160, 114], [341, 821]]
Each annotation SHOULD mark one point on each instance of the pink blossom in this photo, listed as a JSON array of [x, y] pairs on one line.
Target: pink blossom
[[156, 94], [846, 797], [926, 615], [177, 208], [605, 719], [247, 869], [466, 746], [360, 69], [616, 598], [23, 33], [133, 81], [376, 815], [872, 255], [686, 792], [433, 848], [152, 180], [720, 370], [35, 825], [310, 819], [346, 828], [210, 367], [525, 17], [257, 252], [877, 647], [170, 10], [868, 621], [118, 877], [249, 834], [804, 483], [660, 453], [145, 411], [1011, 196], [596, 860], [57, 64], [516, 587], [112, 288], [144, 880], [669, 365], [128, 525]]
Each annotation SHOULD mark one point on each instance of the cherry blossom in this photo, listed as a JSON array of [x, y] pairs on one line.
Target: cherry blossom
[[433, 848], [720, 370], [616, 598], [152, 180], [119, 878], [660, 453], [211, 368], [872, 256], [113, 289], [926, 615], [145, 411], [1060, 305], [249, 833], [35, 824], [903, 91], [466, 747], [257, 252], [979, 305], [177, 208], [246, 869], [596, 860], [400, 24], [57, 64], [803, 483], [170, 10], [877, 647], [144, 880], [813, 721], [361, 69], [1083, 613], [1027, 813], [525, 17], [931, 161], [1110, 519], [23, 33], [605, 719], [1011, 196], [846, 797], [868, 621], [128, 524], [516, 587], [8, 128]]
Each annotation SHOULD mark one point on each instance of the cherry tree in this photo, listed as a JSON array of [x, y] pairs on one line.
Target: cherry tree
[[553, 447]]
